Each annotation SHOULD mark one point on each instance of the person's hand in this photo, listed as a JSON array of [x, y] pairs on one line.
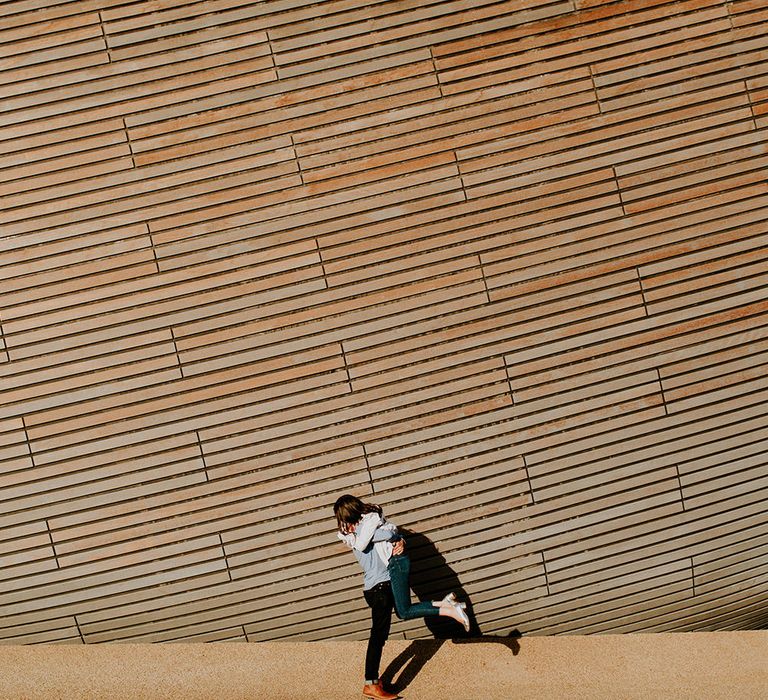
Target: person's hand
[[399, 547]]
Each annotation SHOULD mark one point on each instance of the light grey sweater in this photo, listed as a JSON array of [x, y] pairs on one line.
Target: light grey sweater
[[367, 542], [375, 571]]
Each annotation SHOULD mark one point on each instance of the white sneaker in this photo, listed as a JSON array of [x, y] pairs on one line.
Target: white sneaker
[[450, 599], [459, 608]]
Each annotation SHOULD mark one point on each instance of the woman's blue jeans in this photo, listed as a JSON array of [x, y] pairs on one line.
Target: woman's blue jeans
[[399, 570]]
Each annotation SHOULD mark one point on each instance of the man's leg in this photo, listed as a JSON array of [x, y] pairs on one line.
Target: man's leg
[[379, 599]]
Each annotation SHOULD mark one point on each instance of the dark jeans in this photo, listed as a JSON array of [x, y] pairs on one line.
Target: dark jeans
[[379, 599], [399, 571]]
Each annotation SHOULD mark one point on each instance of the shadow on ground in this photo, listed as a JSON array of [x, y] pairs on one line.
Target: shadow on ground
[[431, 579]]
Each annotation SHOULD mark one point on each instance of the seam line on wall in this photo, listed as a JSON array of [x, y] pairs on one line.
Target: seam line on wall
[[130, 147], [437, 74], [104, 34], [53, 546], [202, 455], [79, 630], [368, 468], [680, 486], [528, 477], [642, 292], [5, 345], [224, 554], [661, 390], [594, 88], [693, 578]]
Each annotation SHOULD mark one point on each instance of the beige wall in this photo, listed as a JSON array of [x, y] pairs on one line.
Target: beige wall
[[500, 267]]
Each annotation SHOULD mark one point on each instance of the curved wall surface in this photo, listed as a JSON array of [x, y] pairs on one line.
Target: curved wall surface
[[500, 267]]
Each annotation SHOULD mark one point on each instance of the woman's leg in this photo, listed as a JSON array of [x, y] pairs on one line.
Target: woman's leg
[[379, 599], [399, 571]]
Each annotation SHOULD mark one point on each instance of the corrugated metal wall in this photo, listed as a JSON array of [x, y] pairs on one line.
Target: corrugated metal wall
[[497, 266]]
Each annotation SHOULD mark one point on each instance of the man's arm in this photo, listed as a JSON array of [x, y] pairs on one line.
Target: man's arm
[[383, 534], [386, 535]]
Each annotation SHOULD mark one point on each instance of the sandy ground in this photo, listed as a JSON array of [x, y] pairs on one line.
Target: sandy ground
[[705, 666]]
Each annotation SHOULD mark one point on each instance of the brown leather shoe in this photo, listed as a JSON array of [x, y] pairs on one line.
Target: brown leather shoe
[[376, 691]]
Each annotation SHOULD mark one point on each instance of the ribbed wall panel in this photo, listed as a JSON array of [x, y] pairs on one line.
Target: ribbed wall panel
[[501, 267]]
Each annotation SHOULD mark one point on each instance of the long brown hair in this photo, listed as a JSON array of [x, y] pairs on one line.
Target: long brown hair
[[349, 509]]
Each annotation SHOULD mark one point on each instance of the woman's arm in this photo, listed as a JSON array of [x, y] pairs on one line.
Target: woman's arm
[[365, 530]]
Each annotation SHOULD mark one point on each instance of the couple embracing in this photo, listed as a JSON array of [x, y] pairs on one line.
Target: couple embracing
[[380, 550]]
